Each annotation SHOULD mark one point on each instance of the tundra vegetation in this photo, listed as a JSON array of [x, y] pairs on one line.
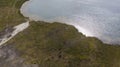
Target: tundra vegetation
[[56, 44]]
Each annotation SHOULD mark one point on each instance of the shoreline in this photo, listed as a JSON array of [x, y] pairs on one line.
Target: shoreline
[[35, 18], [80, 29]]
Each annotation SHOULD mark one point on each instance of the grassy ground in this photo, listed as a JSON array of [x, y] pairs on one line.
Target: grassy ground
[[60, 45], [56, 45], [9, 13]]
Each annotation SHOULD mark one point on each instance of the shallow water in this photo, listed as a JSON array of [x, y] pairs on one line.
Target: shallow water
[[99, 18]]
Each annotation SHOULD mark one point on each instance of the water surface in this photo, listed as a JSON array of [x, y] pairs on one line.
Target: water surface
[[99, 18]]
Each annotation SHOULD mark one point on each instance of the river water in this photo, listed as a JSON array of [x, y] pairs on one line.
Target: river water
[[98, 18]]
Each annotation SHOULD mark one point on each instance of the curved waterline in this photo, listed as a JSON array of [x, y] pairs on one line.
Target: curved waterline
[[93, 18]]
